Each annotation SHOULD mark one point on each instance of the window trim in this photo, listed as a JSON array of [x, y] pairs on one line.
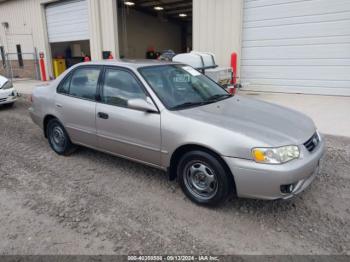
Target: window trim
[[132, 73], [70, 75]]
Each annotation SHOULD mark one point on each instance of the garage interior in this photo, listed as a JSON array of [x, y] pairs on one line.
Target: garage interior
[[73, 51], [148, 27]]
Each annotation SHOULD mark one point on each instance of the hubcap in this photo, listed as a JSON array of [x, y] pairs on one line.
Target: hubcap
[[58, 137], [200, 180]]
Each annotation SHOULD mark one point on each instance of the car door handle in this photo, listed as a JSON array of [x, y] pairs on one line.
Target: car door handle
[[58, 105], [102, 115]]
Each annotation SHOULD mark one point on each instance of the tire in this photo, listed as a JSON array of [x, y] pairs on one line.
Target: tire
[[58, 138], [203, 178]]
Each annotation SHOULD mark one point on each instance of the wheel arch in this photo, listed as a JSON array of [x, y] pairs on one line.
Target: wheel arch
[[176, 156], [47, 118]]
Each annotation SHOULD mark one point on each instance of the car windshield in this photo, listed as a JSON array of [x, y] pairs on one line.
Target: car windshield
[[6, 85], [180, 86]]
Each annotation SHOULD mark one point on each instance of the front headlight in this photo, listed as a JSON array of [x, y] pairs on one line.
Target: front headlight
[[278, 155]]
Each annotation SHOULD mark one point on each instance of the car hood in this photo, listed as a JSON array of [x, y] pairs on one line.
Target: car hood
[[270, 124]]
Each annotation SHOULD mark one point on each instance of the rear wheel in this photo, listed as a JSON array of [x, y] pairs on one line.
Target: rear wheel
[[58, 138], [203, 178]]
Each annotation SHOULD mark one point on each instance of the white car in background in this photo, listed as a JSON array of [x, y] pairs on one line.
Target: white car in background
[[8, 95]]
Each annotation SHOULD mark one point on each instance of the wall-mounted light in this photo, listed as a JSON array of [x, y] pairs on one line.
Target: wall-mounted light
[[129, 3], [158, 8], [183, 15]]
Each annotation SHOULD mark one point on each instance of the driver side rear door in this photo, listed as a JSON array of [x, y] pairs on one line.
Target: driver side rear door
[[75, 104]]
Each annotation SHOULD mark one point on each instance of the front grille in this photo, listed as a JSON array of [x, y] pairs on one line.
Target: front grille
[[3, 99], [312, 143]]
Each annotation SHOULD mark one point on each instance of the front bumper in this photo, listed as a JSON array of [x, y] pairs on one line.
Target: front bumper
[[264, 181], [8, 96]]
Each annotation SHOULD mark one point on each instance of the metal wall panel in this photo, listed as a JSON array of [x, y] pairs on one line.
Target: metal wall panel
[[27, 27], [67, 21], [296, 46], [24, 20], [217, 28]]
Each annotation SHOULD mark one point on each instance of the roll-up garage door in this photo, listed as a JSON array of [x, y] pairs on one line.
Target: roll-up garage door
[[296, 46], [67, 21]]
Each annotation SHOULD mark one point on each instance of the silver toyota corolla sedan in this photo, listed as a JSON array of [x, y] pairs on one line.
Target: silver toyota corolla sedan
[[172, 117]]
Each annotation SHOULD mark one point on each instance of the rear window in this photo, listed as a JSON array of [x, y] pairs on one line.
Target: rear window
[[82, 83]]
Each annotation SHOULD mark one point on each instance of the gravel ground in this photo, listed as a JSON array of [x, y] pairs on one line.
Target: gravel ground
[[93, 203]]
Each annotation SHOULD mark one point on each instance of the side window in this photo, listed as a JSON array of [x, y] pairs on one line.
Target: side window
[[63, 88], [120, 86], [84, 83]]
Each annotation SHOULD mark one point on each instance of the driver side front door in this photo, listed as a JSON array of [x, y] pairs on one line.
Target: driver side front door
[[123, 131]]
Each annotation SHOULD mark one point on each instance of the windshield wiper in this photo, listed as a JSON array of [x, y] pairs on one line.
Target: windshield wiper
[[211, 99], [188, 104], [215, 98]]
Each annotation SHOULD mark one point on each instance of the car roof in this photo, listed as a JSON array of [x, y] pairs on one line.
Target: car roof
[[132, 63]]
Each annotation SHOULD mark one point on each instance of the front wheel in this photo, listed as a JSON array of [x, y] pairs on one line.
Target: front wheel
[[10, 104], [58, 138], [203, 178]]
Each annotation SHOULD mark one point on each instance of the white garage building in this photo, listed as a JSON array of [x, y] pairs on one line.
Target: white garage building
[[303, 46], [283, 45]]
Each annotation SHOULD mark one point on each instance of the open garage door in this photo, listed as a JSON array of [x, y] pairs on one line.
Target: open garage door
[[296, 46], [67, 21], [148, 28], [68, 33]]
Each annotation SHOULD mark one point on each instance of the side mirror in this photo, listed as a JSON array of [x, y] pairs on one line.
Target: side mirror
[[142, 105]]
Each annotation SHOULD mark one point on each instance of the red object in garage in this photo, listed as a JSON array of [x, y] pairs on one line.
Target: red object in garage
[[86, 59], [110, 56], [234, 67], [42, 66]]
